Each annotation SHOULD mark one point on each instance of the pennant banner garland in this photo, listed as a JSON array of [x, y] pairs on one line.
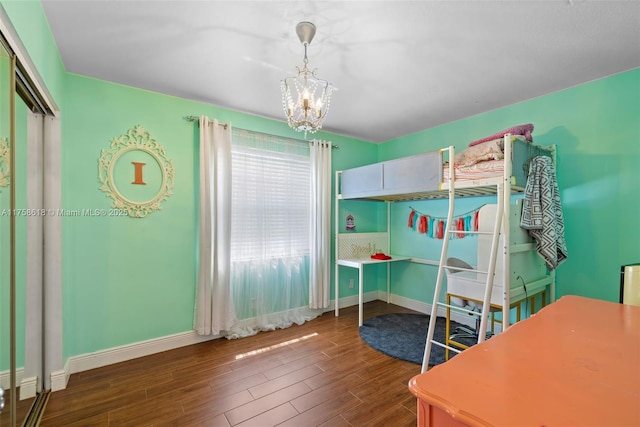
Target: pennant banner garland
[[434, 226]]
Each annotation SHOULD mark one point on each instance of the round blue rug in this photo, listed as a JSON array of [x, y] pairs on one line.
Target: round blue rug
[[403, 335]]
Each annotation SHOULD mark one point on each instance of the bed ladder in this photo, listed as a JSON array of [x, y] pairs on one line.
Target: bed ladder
[[502, 194]]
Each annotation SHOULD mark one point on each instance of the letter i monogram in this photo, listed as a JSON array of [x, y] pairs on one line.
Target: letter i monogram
[[138, 173]]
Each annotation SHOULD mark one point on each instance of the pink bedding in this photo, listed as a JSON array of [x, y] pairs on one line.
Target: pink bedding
[[524, 130], [489, 150], [486, 169]]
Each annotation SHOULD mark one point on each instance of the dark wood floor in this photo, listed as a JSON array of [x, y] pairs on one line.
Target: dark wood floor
[[22, 409], [317, 374]]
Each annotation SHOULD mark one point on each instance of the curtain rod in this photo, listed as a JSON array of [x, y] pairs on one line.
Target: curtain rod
[[197, 119]]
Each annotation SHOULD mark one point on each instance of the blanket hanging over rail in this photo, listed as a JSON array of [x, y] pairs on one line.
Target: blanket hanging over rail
[[542, 212]]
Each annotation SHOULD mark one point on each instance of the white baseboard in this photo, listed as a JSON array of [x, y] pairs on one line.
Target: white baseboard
[[59, 379], [97, 359], [353, 300], [28, 387], [411, 304], [5, 380]]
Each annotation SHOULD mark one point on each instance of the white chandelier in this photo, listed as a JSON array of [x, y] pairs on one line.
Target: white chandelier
[[305, 97]]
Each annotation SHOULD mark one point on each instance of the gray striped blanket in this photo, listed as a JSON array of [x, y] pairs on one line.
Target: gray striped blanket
[[542, 212]]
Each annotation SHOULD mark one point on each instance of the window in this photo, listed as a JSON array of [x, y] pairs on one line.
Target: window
[[270, 197]]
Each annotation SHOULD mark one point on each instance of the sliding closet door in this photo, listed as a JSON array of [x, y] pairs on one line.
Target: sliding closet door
[[22, 138], [32, 233], [8, 379], [30, 240]]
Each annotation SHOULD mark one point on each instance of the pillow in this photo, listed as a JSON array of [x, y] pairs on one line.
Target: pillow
[[489, 150], [516, 130]]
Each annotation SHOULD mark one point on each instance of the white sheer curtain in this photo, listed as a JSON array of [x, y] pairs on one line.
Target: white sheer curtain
[[270, 246], [320, 229], [214, 309]]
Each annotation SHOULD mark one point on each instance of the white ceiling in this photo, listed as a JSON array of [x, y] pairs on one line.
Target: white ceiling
[[398, 66]]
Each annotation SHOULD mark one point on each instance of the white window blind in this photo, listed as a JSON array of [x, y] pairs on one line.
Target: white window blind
[[270, 197]]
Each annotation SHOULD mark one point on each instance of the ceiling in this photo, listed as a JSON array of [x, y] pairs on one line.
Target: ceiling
[[398, 67]]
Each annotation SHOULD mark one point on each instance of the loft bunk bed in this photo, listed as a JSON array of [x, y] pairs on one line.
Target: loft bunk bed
[[428, 176], [499, 169]]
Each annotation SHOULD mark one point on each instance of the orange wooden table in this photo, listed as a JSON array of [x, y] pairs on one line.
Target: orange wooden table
[[574, 363]]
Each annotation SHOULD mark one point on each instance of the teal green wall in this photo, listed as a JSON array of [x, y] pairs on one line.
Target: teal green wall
[[596, 127], [124, 279]]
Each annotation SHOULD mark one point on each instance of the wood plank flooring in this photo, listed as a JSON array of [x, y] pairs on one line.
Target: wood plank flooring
[[317, 374], [22, 409]]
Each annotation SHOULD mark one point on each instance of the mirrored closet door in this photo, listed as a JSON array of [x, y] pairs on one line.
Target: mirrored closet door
[[8, 354], [23, 379]]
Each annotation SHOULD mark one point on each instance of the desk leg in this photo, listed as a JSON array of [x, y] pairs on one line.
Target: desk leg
[[388, 283], [360, 294], [337, 308]]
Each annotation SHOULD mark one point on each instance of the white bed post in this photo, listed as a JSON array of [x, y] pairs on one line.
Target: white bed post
[[337, 235], [388, 252], [506, 238], [493, 256]]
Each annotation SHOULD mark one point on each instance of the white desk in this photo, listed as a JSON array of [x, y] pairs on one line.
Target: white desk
[[359, 264]]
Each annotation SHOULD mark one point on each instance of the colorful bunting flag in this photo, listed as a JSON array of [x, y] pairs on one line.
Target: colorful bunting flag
[[434, 226]]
